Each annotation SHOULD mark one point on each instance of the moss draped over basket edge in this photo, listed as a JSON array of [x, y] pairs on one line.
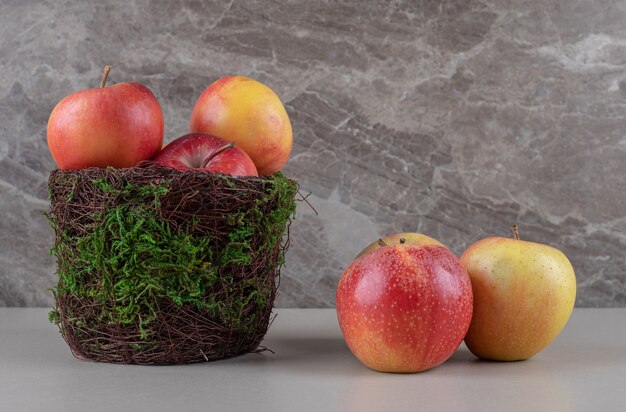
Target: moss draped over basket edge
[[133, 243]]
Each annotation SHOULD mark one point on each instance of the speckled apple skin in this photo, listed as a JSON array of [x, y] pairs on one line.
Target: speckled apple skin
[[117, 126], [524, 294], [191, 151], [409, 238], [249, 113], [404, 308]]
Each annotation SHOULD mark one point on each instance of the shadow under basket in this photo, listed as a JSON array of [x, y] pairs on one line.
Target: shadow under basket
[[158, 266]]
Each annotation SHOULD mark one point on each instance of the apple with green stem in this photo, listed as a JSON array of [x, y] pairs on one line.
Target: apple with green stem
[[524, 294]]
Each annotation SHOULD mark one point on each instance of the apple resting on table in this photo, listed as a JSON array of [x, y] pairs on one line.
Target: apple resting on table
[[244, 111], [208, 153], [117, 126], [404, 307], [524, 294]]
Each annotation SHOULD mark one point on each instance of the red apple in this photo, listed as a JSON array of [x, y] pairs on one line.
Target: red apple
[[208, 153], [117, 126], [404, 308]]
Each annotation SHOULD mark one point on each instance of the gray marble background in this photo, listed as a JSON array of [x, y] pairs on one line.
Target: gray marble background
[[451, 118]]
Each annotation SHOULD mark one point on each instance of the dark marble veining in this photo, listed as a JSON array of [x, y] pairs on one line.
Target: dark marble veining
[[451, 118]]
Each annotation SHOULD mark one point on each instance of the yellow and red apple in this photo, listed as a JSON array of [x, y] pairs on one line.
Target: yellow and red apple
[[249, 113], [117, 126], [409, 238], [207, 153], [404, 307], [524, 293]]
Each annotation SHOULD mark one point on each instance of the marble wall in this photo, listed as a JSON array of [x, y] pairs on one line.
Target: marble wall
[[452, 118]]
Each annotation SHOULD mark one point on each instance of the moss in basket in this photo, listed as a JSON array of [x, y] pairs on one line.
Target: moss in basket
[[140, 258], [239, 250]]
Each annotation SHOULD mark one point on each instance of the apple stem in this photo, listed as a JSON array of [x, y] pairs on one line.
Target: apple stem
[[218, 151], [105, 74], [515, 228], [381, 242], [402, 241]]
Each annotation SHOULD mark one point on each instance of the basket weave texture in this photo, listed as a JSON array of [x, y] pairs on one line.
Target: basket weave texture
[[157, 266]]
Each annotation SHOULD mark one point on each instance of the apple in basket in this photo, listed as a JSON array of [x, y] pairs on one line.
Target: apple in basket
[[249, 113], [208, 153], [117, 126]]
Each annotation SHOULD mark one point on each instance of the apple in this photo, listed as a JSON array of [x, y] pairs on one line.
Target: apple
[[117, 126], [524, 294], [208, 153], [416, 239], [404, 308], [249, 113]]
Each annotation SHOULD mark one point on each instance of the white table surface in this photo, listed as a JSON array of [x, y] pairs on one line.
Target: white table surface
[[313, 370]]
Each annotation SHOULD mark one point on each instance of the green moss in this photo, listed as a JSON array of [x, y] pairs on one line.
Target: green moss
[[272, 223], [129, 261]]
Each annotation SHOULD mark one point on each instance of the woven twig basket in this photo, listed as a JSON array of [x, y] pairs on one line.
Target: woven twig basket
[[158, 266]]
